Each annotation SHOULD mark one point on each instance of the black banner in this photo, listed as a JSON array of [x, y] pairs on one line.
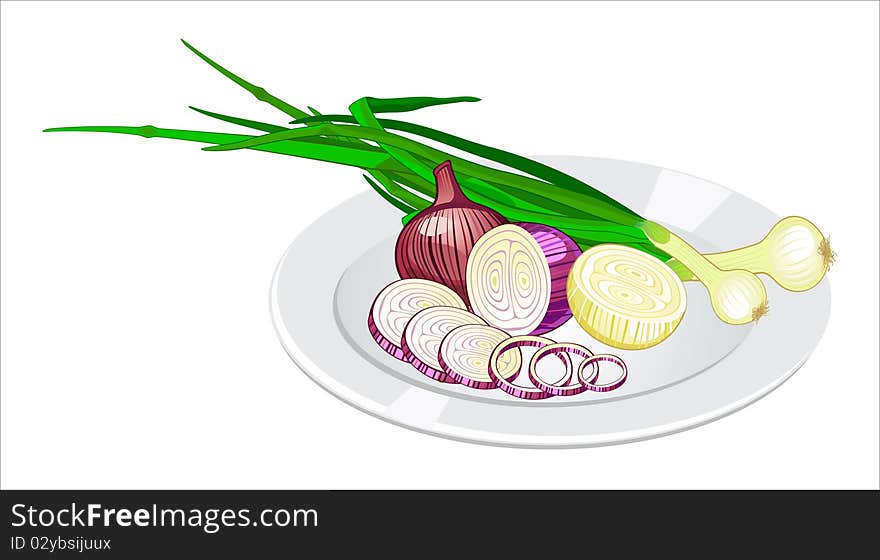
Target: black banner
[[151, 524]]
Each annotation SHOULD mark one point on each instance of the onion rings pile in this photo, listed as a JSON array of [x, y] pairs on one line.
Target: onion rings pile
[[427, 324], [585, 379]]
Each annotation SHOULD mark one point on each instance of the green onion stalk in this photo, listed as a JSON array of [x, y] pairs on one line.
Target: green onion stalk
[[399, 168]]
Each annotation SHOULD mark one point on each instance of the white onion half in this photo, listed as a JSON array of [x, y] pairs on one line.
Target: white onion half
[[398, 302], [424, 333], [465, 353], [624, 297]]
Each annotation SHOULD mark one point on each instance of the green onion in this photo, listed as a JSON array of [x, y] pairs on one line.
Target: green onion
[[400, 169], [319, 149], [520, 163]]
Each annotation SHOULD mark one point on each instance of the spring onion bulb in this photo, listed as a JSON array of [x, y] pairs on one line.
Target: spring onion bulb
[[738, 296], [424, 333], [516, 276], [398, 302], [624, 297], [794, 253], [465, 353]]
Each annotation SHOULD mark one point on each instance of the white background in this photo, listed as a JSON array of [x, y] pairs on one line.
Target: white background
[[137, 348]]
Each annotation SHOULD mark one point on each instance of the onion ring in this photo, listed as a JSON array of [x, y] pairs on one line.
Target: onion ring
[[518, 391], [397, 303], [465, 352], [424, 333], [590, 385], [563, 387]]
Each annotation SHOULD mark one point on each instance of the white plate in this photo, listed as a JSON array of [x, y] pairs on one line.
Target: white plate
[[327, 279]]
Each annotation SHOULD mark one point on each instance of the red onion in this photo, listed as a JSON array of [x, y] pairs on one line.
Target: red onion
[[435, 244], [516, 277]]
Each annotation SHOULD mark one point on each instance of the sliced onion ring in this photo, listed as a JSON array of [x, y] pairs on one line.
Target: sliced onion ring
[[590, 383], [465, 352], [506, 385], [563, 387], [397, 303], [424, 332]]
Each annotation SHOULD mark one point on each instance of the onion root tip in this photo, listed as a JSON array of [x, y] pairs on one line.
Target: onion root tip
[[760, 311], [828, 256]]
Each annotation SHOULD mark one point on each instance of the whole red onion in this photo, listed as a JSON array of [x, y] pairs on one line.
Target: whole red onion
[[436, 242]]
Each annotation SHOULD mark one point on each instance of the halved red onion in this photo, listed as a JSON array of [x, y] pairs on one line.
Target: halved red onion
[[424, 332], [465, 353], [590, 384], [562, 387], [506, 384], [398, 302], [516, 277]]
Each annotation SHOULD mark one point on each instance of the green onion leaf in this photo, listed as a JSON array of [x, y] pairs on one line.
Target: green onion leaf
[[256, 125], [348, 155], [391, 199], [514, 161], [406, 104], [257, 91]]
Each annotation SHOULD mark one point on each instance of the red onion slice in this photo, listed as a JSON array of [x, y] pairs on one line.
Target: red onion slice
[[506, 385], [590, 383], [563, 387], [516, 277], [424, 333], [465, 353], [398, 302]]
